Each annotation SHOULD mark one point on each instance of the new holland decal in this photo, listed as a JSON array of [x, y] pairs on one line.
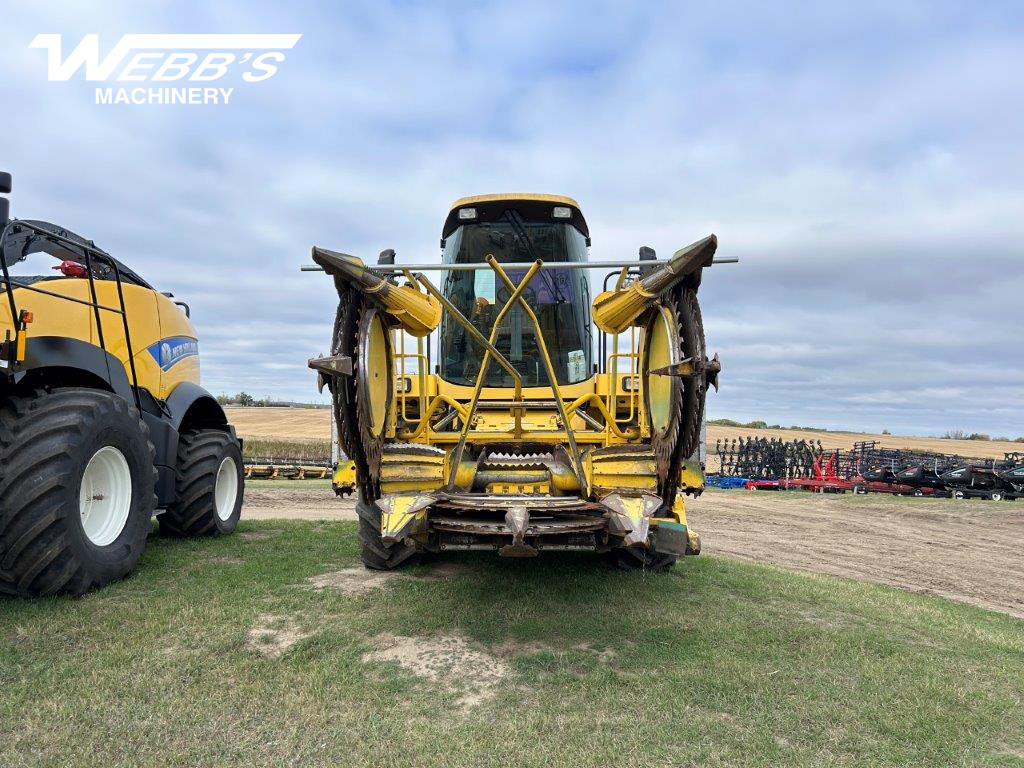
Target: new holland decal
[[170, 352]]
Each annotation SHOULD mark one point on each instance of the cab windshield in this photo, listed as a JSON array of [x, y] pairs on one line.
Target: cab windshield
[[559, 297]]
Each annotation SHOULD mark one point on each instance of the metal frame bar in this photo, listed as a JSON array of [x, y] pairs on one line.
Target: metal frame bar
[[552, 374], [483, 342], [514, 266], [90, 252], [517, 291]]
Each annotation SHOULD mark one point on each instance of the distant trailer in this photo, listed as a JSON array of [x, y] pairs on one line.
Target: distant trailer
[[817, 485]]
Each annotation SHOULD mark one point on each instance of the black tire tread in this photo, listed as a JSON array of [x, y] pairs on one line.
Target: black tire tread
[[638, 559], [373, 552], [36, 432], [193, 512], [689, 414]]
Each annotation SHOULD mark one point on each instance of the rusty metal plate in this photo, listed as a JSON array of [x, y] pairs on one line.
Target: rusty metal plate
[[549, 527], [503, 502]]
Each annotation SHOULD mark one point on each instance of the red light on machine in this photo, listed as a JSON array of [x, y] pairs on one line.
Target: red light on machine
[[72, 269]]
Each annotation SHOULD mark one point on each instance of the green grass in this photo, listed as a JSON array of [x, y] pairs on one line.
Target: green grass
[[714, 663]]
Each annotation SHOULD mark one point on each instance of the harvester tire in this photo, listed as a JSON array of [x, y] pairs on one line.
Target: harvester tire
[[77, 491], [639, 559], [691, 333], [684, 434], [209, 486], [375, 554], [346, 408]]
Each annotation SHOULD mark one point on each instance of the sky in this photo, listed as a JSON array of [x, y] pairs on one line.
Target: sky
[[863, 161]]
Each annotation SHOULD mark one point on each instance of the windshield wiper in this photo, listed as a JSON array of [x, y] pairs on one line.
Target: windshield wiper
[[515, 219]]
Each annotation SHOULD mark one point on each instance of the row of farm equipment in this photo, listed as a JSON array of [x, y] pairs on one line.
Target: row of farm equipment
[[760, 463]]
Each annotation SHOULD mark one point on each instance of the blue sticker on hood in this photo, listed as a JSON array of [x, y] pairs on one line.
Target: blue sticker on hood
[[169, 352]]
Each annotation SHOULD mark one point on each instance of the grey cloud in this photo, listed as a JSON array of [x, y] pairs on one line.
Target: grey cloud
[[864, 163]]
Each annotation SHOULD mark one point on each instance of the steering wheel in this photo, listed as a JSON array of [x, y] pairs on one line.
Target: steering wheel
[[502, 295]]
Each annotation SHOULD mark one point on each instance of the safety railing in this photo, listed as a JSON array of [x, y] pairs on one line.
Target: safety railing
[[36, 237], [605, 407]]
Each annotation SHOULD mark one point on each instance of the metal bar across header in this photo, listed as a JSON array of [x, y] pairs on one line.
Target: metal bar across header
[[395, 268]]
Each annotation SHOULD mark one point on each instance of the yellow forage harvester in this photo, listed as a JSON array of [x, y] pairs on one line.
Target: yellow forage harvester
[[542, 421]]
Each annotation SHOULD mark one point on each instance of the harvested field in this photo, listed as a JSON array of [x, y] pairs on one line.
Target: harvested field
[[963, 550], [282, 423], [309, 423]]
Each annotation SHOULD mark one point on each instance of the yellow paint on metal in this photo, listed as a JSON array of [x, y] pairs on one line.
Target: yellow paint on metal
[[418, 313], [344, 476], [679, 510], [632, 470], [694, 539], [609, 421], [405, 471], [660, 352], [19, 345], [615, 311], [403, 515], [465, 475], [691, 475], [516, 292], [151, 317], [377, 374], [563, 480], [524, 489], [526, 196]]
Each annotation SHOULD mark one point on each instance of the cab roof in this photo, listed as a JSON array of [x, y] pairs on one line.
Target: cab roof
[[533, 207]]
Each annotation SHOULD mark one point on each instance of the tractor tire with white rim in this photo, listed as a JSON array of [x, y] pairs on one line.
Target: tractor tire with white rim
[[209, 487], [76, 491]]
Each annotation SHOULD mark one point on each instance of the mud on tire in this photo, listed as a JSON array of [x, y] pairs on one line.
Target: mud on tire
[[208, 462], [47, 441], [374, 553]]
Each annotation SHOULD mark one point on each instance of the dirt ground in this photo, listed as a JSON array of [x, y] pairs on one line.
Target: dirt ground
[[295, 501], [964, 550]]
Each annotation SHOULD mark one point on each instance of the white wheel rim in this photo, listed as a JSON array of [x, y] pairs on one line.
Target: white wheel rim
[[105, 496], [225, 492]]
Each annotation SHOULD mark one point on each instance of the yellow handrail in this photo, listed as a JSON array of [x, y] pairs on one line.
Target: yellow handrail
[[429, 411], [594, 399], [517, 291], [549, 366], [517, 397]]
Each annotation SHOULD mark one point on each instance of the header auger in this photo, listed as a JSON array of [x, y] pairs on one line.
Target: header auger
[[517, 440]]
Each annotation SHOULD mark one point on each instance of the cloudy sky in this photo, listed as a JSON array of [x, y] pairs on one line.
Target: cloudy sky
[[863, 161]]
